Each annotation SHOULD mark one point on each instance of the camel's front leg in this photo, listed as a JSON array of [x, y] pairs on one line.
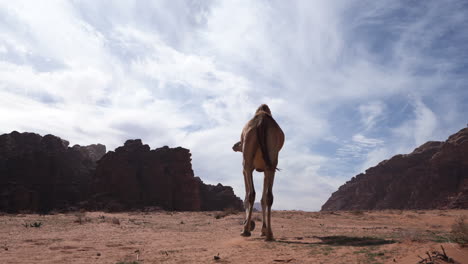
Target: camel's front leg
[[249, 200]]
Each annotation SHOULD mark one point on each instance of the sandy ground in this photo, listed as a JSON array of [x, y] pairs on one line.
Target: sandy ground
[[196, 237]]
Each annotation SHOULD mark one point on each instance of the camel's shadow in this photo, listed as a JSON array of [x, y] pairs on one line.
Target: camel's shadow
[[339, 241]]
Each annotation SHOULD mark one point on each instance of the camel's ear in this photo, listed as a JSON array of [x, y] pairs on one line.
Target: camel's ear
[[237, 147]]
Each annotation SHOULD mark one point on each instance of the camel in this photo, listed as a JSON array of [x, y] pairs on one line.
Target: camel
[[261, 141]]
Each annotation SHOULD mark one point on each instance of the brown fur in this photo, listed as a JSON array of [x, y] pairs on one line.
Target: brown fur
[[265, 121]]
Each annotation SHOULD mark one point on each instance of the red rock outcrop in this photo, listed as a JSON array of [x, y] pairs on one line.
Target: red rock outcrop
[[134, 177], [42, 173], [218, 197], [93, 152], [434, 175]]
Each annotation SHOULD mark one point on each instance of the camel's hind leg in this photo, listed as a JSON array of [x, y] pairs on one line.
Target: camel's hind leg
[[264, 209], [249, 199], [267, 202]]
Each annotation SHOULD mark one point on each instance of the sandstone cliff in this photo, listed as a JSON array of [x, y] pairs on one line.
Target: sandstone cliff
[[40, 174], [135, 177], [217, 197], [434, 175]]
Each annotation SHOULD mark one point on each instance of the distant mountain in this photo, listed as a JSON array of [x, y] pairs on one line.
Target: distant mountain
[[258, 206], [40, 174], [434, 175]]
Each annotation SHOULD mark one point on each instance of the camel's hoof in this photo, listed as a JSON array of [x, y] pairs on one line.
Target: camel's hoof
[[245, 234], [252, 225], [269, 239]]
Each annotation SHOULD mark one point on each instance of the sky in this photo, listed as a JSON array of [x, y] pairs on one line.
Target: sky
[[351, 83]]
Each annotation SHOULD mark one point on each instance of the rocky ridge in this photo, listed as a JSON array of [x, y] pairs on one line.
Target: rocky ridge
[[434, 175]]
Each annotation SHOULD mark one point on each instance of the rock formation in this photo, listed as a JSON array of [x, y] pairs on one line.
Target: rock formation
[[216, 197], [434, 175], [135, 177], [40, 174], [93, 152]]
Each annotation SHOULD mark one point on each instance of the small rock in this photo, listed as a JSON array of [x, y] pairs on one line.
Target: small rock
[[115, 221], [98, 254]]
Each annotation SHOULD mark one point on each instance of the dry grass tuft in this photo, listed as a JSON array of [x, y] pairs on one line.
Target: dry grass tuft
[[226, 212], [81, 218], [357, 212], [459, 232]]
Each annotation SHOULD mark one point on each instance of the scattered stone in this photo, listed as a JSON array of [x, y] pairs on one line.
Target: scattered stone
[[115, 221], [283, 260]]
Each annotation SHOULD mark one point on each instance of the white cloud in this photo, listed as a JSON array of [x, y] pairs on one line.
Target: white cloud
[[425, 123], [417, 130], [374, 157], [365, 141], [370, 113]]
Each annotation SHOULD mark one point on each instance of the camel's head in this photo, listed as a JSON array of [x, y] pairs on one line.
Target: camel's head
[[237, 147], [263, 108]]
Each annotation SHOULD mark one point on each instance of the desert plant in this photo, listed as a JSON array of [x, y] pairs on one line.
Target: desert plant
[[226, 212], [81, 218], [357, 212], [35, 224], [459, 232]]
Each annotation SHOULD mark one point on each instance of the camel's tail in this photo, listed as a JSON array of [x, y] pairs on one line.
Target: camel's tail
[[262, 130]]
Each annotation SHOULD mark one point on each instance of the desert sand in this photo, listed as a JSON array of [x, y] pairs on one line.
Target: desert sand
[[389, 236]]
